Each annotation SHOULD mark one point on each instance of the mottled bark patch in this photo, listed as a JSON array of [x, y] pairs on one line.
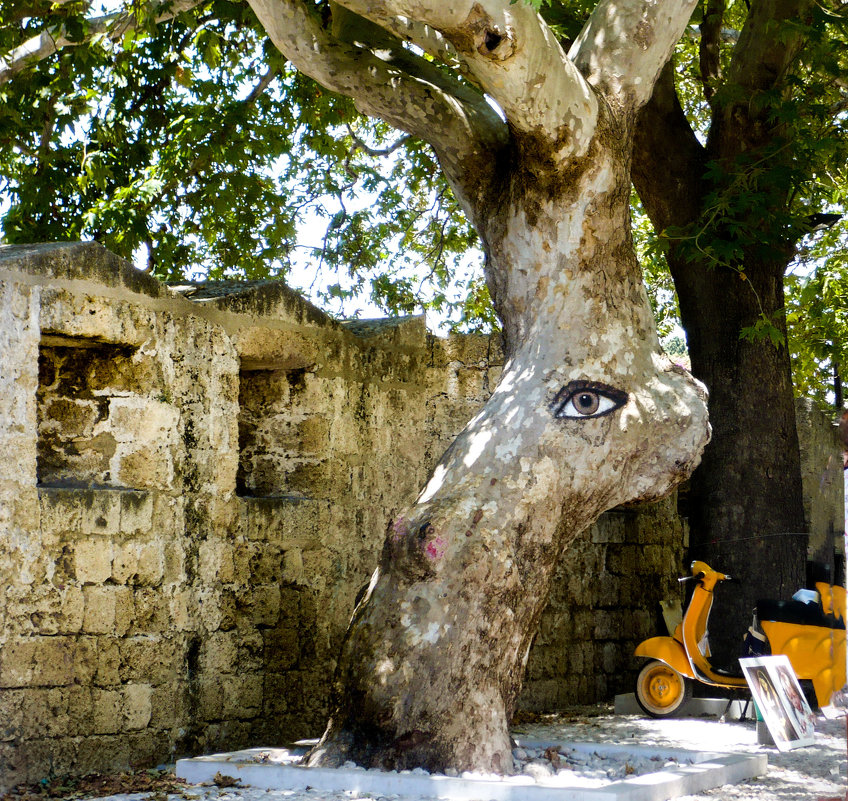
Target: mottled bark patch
[[643, 35]]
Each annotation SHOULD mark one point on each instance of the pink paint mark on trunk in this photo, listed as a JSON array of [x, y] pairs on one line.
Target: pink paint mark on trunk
[[435, 548]]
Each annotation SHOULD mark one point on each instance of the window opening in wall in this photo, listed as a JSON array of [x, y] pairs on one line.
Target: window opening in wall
[[276, 451], [95, 404]]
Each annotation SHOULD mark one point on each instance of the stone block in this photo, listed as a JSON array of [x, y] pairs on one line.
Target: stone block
[[45, 609], [154, 659], [136, 706], [101, 511], [265, 563], [149, 467], [100, 607], [251, 648], [293, 566], [210, 700], [12, 715], [80, 710], [168, 707], [152, 611], [37, 661], [104, 753], [136, 512], [174, 564], [282, 648], [215, 561], [265, 608], [106, 711], [124, 562], [97, 660], [60, 511], [151, 563], [219, 654], [46, 713], [124, 610], [25, 765], [93, 560], [242, 696], [181, 610], [608, 528]]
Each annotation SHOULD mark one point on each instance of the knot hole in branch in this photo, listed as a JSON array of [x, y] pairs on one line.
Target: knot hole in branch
[[479, 32]]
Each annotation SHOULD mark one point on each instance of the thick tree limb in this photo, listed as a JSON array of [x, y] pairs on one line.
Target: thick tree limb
[[113, 26], [404, 90], [512, 55], [709, 46], [768, 43], [624, 45], [413, 32], [670, 188]]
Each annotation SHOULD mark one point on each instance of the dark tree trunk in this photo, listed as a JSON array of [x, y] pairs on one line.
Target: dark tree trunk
[[745, 503]]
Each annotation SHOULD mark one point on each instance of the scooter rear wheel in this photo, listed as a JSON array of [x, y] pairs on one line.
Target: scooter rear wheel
[[661, 690]]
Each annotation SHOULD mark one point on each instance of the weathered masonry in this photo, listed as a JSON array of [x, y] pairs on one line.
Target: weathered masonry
[[193, 490]]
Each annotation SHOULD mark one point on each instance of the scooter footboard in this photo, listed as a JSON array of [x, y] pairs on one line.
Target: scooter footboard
[[667, 650]]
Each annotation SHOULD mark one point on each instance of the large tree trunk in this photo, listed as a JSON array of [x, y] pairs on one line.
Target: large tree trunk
[[465, 573], [744, 502], [588, 412]]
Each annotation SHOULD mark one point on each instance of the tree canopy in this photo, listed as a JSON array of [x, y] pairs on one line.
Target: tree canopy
[[176, 132]]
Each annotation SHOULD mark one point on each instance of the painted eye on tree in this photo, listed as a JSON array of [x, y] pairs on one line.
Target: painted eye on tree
[[582, 399]]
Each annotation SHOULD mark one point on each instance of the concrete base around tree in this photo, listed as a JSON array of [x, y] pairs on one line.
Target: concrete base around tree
[[686, 773]]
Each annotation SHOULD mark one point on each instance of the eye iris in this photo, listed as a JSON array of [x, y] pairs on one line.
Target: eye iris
[[587, 402]]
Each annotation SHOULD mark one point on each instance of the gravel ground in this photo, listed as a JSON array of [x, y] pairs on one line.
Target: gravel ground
[[810, 773]]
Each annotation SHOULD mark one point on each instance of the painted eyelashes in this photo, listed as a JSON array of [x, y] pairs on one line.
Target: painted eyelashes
[[578, 400]]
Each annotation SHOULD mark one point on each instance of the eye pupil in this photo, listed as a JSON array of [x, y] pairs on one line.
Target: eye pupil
[[587, 402]]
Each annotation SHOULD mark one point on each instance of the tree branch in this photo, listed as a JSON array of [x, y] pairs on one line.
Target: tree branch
[[670, 188], [507, 50], [401, 88], [113, 26], [768, 43], [624, 45], [709, 46]]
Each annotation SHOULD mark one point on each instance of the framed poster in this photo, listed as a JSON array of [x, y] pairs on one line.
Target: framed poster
[[781, 701]]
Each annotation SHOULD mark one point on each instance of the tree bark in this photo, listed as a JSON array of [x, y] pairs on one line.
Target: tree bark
[[588, 413]]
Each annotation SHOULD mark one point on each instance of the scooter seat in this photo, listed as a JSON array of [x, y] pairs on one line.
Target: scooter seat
[[797, 612]]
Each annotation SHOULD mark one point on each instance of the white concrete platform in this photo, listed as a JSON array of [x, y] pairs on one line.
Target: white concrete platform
[[274, 769], [695, 708]]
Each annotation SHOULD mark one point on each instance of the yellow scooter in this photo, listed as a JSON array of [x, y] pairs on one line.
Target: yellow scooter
[[811, 634]]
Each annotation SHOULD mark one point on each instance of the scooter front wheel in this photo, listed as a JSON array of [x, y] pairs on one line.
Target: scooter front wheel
[[661, 690]]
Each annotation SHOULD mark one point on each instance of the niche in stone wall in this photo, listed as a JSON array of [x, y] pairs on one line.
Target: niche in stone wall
[[281, 442], [103, 419]]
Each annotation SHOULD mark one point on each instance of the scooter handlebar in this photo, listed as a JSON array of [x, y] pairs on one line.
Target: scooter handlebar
[[696, 577]]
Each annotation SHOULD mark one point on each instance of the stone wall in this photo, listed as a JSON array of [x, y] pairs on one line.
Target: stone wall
[[194, 489]]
